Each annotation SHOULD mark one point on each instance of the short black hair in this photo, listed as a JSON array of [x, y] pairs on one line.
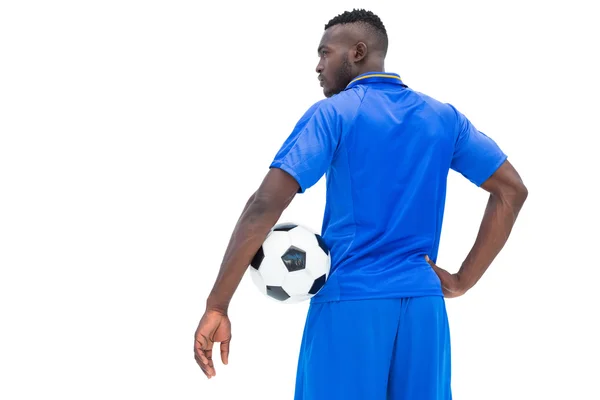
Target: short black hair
[[362, 16]]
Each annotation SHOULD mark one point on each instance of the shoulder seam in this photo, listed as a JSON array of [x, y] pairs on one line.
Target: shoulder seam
[[351, 122], [359, 105]]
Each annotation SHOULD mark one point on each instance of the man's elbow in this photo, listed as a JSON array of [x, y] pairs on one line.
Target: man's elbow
[[516, 195], [522, 193], [275, 202], [265, 207], [250, 200], [507, 186], [512, 193]]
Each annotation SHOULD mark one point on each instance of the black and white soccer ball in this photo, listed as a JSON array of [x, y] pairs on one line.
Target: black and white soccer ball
[[292, 264]]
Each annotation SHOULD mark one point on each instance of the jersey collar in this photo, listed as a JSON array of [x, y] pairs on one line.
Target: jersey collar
[[372, 77]]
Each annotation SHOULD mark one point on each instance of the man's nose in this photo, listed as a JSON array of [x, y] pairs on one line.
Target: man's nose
[[319, 68]]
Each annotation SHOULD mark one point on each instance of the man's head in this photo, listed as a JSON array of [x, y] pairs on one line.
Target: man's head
[[353, 43]]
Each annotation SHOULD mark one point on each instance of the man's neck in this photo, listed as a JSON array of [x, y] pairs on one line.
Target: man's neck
[[371, 67]]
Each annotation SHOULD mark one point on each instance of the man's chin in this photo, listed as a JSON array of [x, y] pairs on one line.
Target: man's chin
[[328, 92]]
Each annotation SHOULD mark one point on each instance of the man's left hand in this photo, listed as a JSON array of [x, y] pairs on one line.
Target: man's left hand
[[451, 283]]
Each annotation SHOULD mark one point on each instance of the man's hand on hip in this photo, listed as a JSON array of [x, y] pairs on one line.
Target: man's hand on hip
[[451, 284]]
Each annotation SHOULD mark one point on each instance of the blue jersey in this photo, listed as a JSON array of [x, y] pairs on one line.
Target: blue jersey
[[386, 151]]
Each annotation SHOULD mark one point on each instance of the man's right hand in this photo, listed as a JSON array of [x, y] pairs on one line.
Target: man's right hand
[[214, 327]]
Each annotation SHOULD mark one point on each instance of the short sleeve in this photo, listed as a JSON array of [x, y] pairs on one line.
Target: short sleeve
[[308, 151], [476, 156]]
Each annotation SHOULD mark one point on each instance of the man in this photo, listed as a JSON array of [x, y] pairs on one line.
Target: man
[[378, 329]]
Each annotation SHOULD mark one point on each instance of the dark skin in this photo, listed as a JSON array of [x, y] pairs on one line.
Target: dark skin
[[261, 213], [507, 196], [344, 52]]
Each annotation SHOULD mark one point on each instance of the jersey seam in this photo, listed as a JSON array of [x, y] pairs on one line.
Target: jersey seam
[[352, 196]]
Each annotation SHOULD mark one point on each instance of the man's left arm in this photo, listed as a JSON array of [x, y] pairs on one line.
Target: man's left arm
[[479, 158]]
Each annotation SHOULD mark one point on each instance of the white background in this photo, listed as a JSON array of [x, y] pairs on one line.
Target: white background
[[132, 133]]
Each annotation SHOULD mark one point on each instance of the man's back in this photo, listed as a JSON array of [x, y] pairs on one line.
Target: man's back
[[388, 152]]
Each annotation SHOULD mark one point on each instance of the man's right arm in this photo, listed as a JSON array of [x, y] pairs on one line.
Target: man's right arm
[[507, 196]]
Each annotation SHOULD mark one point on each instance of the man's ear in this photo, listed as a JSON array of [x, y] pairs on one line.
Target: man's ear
[[360, 51]]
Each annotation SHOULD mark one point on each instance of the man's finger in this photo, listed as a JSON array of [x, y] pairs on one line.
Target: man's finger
[[225, 351], [441, 272], [200, 363], [429, 261], [206, 369], [201, 345], [200, 355], [208, 355]]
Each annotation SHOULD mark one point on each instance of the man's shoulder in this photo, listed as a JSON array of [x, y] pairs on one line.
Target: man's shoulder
[[432, 101], [333, 110], [344, 104], [443, 109]]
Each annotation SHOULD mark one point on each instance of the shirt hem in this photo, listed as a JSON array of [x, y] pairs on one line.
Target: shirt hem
[[289, 170], [374, 296]]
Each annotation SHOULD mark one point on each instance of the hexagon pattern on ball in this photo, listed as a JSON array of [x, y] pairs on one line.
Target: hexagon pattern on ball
[[294, 259], [277, 293], [258, 258], [318, 262], [322, 244], [298, 283], [273, 270], [317, 284], [276, 243], [302, 238], [284, 227], [292, 265], [258, 280]]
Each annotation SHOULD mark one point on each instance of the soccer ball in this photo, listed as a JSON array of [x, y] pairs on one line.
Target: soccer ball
[[292, 264]]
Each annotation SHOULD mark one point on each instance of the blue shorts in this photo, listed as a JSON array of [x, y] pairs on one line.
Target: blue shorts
[[384, 349]]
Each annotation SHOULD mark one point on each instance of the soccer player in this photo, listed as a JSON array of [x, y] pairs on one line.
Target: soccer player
[[378, 328]]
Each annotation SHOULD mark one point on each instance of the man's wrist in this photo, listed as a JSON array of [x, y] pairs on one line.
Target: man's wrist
[[464, 281], [213, 303]]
